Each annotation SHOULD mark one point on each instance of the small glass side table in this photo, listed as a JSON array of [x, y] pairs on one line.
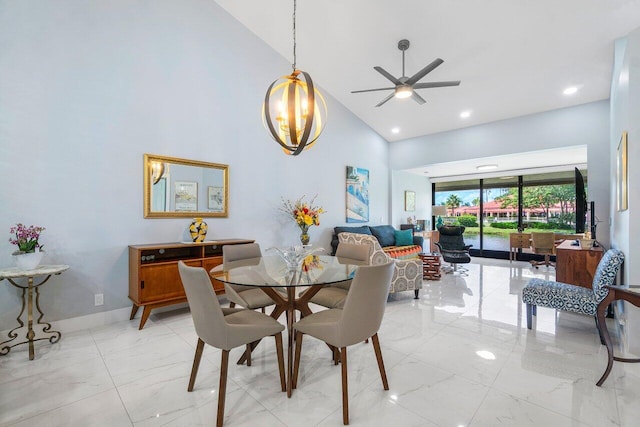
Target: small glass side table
[[27, 301]]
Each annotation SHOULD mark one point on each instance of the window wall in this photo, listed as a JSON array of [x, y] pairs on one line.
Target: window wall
[[493, 208]]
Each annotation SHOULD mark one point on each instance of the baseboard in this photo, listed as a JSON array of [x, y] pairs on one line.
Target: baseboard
[[104, 318], [92, 320]]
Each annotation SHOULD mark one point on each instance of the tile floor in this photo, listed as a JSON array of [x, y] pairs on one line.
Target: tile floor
[[459, 356]]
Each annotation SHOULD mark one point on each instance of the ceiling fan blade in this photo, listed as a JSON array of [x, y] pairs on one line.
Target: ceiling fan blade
[[388, 75], [420, 100], [385, 100], [436, 84], [372, 90], [426, 70]]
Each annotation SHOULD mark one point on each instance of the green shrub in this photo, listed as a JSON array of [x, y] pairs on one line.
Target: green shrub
[[551, 225], [468, 221], [504, 225]]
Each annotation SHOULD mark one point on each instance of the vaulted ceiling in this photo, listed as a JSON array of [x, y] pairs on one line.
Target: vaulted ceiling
[[513, 57]]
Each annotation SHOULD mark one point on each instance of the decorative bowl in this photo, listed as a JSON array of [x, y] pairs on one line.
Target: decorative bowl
[[294, 255]]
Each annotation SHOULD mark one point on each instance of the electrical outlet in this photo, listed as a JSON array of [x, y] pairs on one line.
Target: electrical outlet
[[98, 299]]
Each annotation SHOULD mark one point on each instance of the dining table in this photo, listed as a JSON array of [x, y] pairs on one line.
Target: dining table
[[281, 281]]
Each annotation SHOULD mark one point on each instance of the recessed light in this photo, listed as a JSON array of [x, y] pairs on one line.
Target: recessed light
[[465, 114], [570, 90], [486, 167], [395, 130]]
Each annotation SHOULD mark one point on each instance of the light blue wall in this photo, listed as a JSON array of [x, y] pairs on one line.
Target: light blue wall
[[625, 116], [586, 124], [86, 88]]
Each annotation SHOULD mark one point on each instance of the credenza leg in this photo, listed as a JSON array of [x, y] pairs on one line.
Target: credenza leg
[[145, 315], [134, 311]]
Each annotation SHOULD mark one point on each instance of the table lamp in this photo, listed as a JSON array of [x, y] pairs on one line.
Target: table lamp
[[439, 211]]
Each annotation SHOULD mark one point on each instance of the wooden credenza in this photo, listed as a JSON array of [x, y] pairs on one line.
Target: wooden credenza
[[575, 265], [154, 280]]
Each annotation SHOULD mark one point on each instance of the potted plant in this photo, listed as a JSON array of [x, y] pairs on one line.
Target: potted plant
[[29, 253]]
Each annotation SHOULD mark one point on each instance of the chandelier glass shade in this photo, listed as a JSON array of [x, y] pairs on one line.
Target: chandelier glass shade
[[294, 112]]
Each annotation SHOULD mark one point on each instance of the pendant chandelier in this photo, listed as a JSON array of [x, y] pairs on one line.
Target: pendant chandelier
[[294, 111]]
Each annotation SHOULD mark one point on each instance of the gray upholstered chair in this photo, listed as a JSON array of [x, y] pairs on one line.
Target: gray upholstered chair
[[566, 297], [333, 296], [249, 297], [358, 320], [238, 327]]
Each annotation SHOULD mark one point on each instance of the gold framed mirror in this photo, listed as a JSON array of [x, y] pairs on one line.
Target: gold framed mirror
[[179, 188]]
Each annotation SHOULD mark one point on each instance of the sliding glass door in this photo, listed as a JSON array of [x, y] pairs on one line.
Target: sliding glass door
[[493, 208]]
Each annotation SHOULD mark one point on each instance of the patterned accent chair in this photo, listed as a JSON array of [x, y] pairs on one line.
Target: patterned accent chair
[[577, 299], [407, 274]]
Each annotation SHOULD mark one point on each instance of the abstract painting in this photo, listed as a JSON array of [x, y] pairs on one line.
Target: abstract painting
[[357, 194]]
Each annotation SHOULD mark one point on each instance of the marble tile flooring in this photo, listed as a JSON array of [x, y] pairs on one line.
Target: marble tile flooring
[[459, 356]]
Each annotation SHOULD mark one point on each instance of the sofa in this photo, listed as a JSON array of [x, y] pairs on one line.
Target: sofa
[[407, 274], [386, 236]]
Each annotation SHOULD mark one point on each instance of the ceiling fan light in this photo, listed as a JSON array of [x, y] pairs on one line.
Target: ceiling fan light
[[404, 91]]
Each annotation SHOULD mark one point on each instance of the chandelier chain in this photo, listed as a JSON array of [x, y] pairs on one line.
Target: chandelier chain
[[294, 35]]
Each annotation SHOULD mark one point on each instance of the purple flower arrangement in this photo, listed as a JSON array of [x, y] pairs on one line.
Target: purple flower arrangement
[[26, 238]]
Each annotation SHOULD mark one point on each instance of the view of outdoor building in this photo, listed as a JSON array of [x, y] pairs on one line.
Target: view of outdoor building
[[547, 204]]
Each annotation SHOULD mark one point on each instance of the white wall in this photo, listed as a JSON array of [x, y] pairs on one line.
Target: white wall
[[586, 124], [625, 116], [86, 88], [405, 181]]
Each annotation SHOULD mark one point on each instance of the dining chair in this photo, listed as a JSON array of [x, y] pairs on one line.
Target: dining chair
[[358, 320], [543, 243], [249, 297], [236, 328], [333, 296]]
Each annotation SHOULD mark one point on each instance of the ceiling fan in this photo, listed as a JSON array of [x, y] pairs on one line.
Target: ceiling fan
[[405, 86]]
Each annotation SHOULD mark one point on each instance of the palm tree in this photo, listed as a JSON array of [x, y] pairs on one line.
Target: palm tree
[[453, 202]]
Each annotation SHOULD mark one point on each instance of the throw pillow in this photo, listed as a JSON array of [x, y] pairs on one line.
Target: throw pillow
[[404, 237]]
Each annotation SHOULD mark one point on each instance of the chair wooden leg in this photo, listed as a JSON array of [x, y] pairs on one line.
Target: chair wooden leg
[[602, 342], [529, 314], [383, 373], [196, 364], [345, 388], [248, 354], [222, 389], [232, 304], [280, 353], [263, 311], [296, 362]]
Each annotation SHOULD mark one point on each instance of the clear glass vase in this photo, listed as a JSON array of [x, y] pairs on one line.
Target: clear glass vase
[[304, 238]]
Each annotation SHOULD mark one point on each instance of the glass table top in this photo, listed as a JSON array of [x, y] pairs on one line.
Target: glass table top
[[270, 271]]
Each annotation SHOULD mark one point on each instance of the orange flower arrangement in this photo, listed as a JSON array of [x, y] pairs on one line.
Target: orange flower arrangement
[[304, 214]]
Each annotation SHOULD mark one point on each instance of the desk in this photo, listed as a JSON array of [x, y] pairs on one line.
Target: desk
[[615, 293], [270, 272], [14, 273], [575, 265]]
